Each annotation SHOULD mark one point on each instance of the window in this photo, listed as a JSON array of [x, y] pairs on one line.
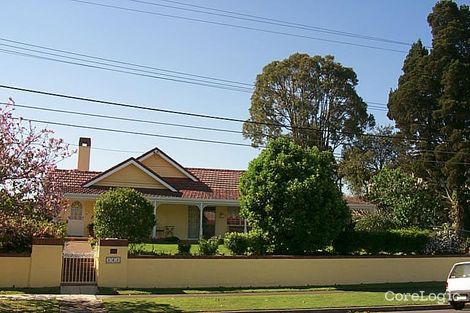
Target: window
[[76, 211], [233, 217], [461, 271]]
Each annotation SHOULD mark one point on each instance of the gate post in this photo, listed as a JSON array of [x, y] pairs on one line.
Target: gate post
[[46, 262], [111, 263]]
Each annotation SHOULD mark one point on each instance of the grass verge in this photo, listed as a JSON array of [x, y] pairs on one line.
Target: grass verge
[[19, 291], [7, 305], [255, 301], [427, 287]]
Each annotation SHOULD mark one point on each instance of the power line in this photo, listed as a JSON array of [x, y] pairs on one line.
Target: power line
[[126, 105], [219, 86], [107, 149], [169, 124], [138, 74], [198, 115], [265, 20], [178, 138], [122, 131], [236, 26], [377, 106], [119, 118], [211, 78]]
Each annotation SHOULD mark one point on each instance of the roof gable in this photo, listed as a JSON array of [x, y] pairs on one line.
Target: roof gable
[[130, 173], [163, 165]]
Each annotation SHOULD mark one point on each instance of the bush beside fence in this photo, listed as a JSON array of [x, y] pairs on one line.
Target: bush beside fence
[[408, 241]]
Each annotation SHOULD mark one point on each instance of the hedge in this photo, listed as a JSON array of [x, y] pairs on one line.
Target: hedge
[[407, 241]]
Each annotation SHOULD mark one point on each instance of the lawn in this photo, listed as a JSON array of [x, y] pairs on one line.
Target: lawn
[[7, 305], [168, 249], [299, 300], [427, 287], [18, 291]]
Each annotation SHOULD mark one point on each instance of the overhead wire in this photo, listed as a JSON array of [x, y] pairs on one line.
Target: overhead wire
[[120, 118], [190, 114], [265, 20], [109, 6], [156, 69], [371, 105], [129, 132], [122, 71]]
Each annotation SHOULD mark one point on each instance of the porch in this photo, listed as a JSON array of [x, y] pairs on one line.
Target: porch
[[181, 218]]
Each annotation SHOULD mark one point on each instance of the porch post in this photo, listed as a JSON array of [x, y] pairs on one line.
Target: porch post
[[201, 219], [154, 229], [245, 226]]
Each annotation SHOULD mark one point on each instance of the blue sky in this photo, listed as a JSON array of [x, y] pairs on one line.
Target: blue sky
[[192, 47]]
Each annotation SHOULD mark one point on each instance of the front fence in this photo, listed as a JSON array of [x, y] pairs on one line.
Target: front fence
[[78, 269]]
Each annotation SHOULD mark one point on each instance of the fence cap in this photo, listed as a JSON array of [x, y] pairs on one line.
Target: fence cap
[[111, 242], [47, 241]]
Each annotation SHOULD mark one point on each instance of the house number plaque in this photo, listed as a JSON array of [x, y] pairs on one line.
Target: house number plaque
[[113, 260]]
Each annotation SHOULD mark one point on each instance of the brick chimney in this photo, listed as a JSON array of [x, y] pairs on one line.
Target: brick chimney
[[84, 149]]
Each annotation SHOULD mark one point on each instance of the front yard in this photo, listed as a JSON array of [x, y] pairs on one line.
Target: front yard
[[168, 249]]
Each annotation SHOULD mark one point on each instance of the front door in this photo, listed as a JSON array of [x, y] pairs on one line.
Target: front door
[[75, 221], [208, 223], [193, 222]]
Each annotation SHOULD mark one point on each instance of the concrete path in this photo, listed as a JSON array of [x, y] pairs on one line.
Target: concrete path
[[67, 303], [77, 247], [81, 303]]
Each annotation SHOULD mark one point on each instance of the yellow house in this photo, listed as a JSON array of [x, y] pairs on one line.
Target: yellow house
[[190, 203]]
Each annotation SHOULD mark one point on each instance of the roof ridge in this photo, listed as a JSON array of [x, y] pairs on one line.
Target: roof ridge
[[215, 169], [75, 170]]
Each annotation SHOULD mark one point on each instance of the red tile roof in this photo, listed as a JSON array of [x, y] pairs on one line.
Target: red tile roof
[[212, 184], [216, 184]]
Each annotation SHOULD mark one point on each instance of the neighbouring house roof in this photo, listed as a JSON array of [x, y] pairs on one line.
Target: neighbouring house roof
[[216, 184], [359, 204]]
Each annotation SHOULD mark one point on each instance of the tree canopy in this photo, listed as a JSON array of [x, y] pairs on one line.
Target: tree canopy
[[312, 99], [289, 194], [365, 157], [30, 201], [431, 108], [406, 200]]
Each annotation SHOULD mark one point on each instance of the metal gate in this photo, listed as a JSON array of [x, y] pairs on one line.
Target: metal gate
[[78, 268]]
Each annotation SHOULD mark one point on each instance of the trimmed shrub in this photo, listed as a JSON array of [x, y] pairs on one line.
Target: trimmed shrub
[[209, 246], [167, 240], [16, 235], [253, 242], [258, 244], [123, 213], [237, 243], [374, 222], [407, 241], [184, 248], [446, 241]]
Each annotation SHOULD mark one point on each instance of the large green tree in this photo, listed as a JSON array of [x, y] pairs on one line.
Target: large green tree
[[365, 157], [289, 194], [406, 200], [431, 108], [312, 99]]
